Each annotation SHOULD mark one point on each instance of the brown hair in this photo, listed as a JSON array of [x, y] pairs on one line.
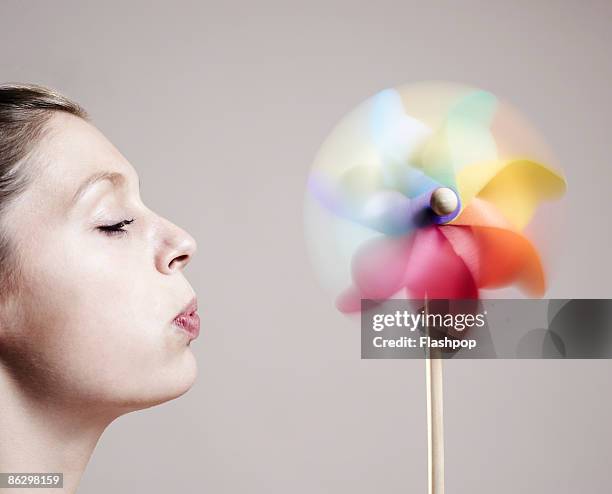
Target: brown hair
[[24, 111]]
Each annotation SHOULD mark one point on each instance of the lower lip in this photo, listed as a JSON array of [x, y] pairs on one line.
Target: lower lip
[[190, 323]]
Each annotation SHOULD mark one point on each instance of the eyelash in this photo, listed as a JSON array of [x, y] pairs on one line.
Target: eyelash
[[116, 229]]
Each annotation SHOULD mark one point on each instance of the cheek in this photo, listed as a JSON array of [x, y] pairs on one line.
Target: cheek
[[87, 290], [94, 318]]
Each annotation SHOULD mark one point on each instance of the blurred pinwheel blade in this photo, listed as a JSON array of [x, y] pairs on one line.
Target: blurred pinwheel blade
[[463, 138], [514, 187], [396, 136]]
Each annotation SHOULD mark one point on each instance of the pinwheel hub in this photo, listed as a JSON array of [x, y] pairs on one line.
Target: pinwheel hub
[[444, 202]]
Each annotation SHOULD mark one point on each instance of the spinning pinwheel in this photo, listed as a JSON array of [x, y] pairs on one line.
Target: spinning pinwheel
[[438, 200]]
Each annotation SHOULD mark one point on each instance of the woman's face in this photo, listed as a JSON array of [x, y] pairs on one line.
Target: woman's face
[[100, 279]]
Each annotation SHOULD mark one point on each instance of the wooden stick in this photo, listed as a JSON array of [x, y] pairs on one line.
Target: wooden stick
[[435, 420]]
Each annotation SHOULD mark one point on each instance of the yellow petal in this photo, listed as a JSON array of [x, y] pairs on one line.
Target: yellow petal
[[515, 187]]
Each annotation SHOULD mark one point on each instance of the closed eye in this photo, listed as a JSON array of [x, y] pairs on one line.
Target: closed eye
[[115, 229]]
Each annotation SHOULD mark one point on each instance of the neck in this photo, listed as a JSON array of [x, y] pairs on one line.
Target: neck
[[41, 435]]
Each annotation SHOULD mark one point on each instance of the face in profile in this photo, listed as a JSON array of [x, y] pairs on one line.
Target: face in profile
[[101, 314]]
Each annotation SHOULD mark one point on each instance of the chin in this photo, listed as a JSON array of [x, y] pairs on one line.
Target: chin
[[167, 384]]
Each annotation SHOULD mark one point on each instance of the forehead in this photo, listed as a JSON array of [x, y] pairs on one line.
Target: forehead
[[73, 149], [69, 153]]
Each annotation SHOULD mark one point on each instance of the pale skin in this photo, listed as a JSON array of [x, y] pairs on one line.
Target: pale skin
[[88, 334]]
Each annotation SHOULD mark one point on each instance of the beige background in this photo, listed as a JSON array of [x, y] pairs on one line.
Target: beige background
[[221, 107]]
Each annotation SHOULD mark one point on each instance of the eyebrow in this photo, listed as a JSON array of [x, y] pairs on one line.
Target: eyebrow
[[113, 177]]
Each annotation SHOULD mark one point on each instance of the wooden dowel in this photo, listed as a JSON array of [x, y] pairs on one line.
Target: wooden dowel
[[435, 425], [435, 420]]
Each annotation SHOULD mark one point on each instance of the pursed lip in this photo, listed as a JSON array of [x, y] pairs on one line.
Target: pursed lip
[[188, 319]]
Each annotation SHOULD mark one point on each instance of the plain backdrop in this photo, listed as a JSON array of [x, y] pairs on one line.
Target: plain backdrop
[[221, 107]]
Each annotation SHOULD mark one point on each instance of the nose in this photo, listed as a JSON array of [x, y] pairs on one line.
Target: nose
[[176, 247]]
